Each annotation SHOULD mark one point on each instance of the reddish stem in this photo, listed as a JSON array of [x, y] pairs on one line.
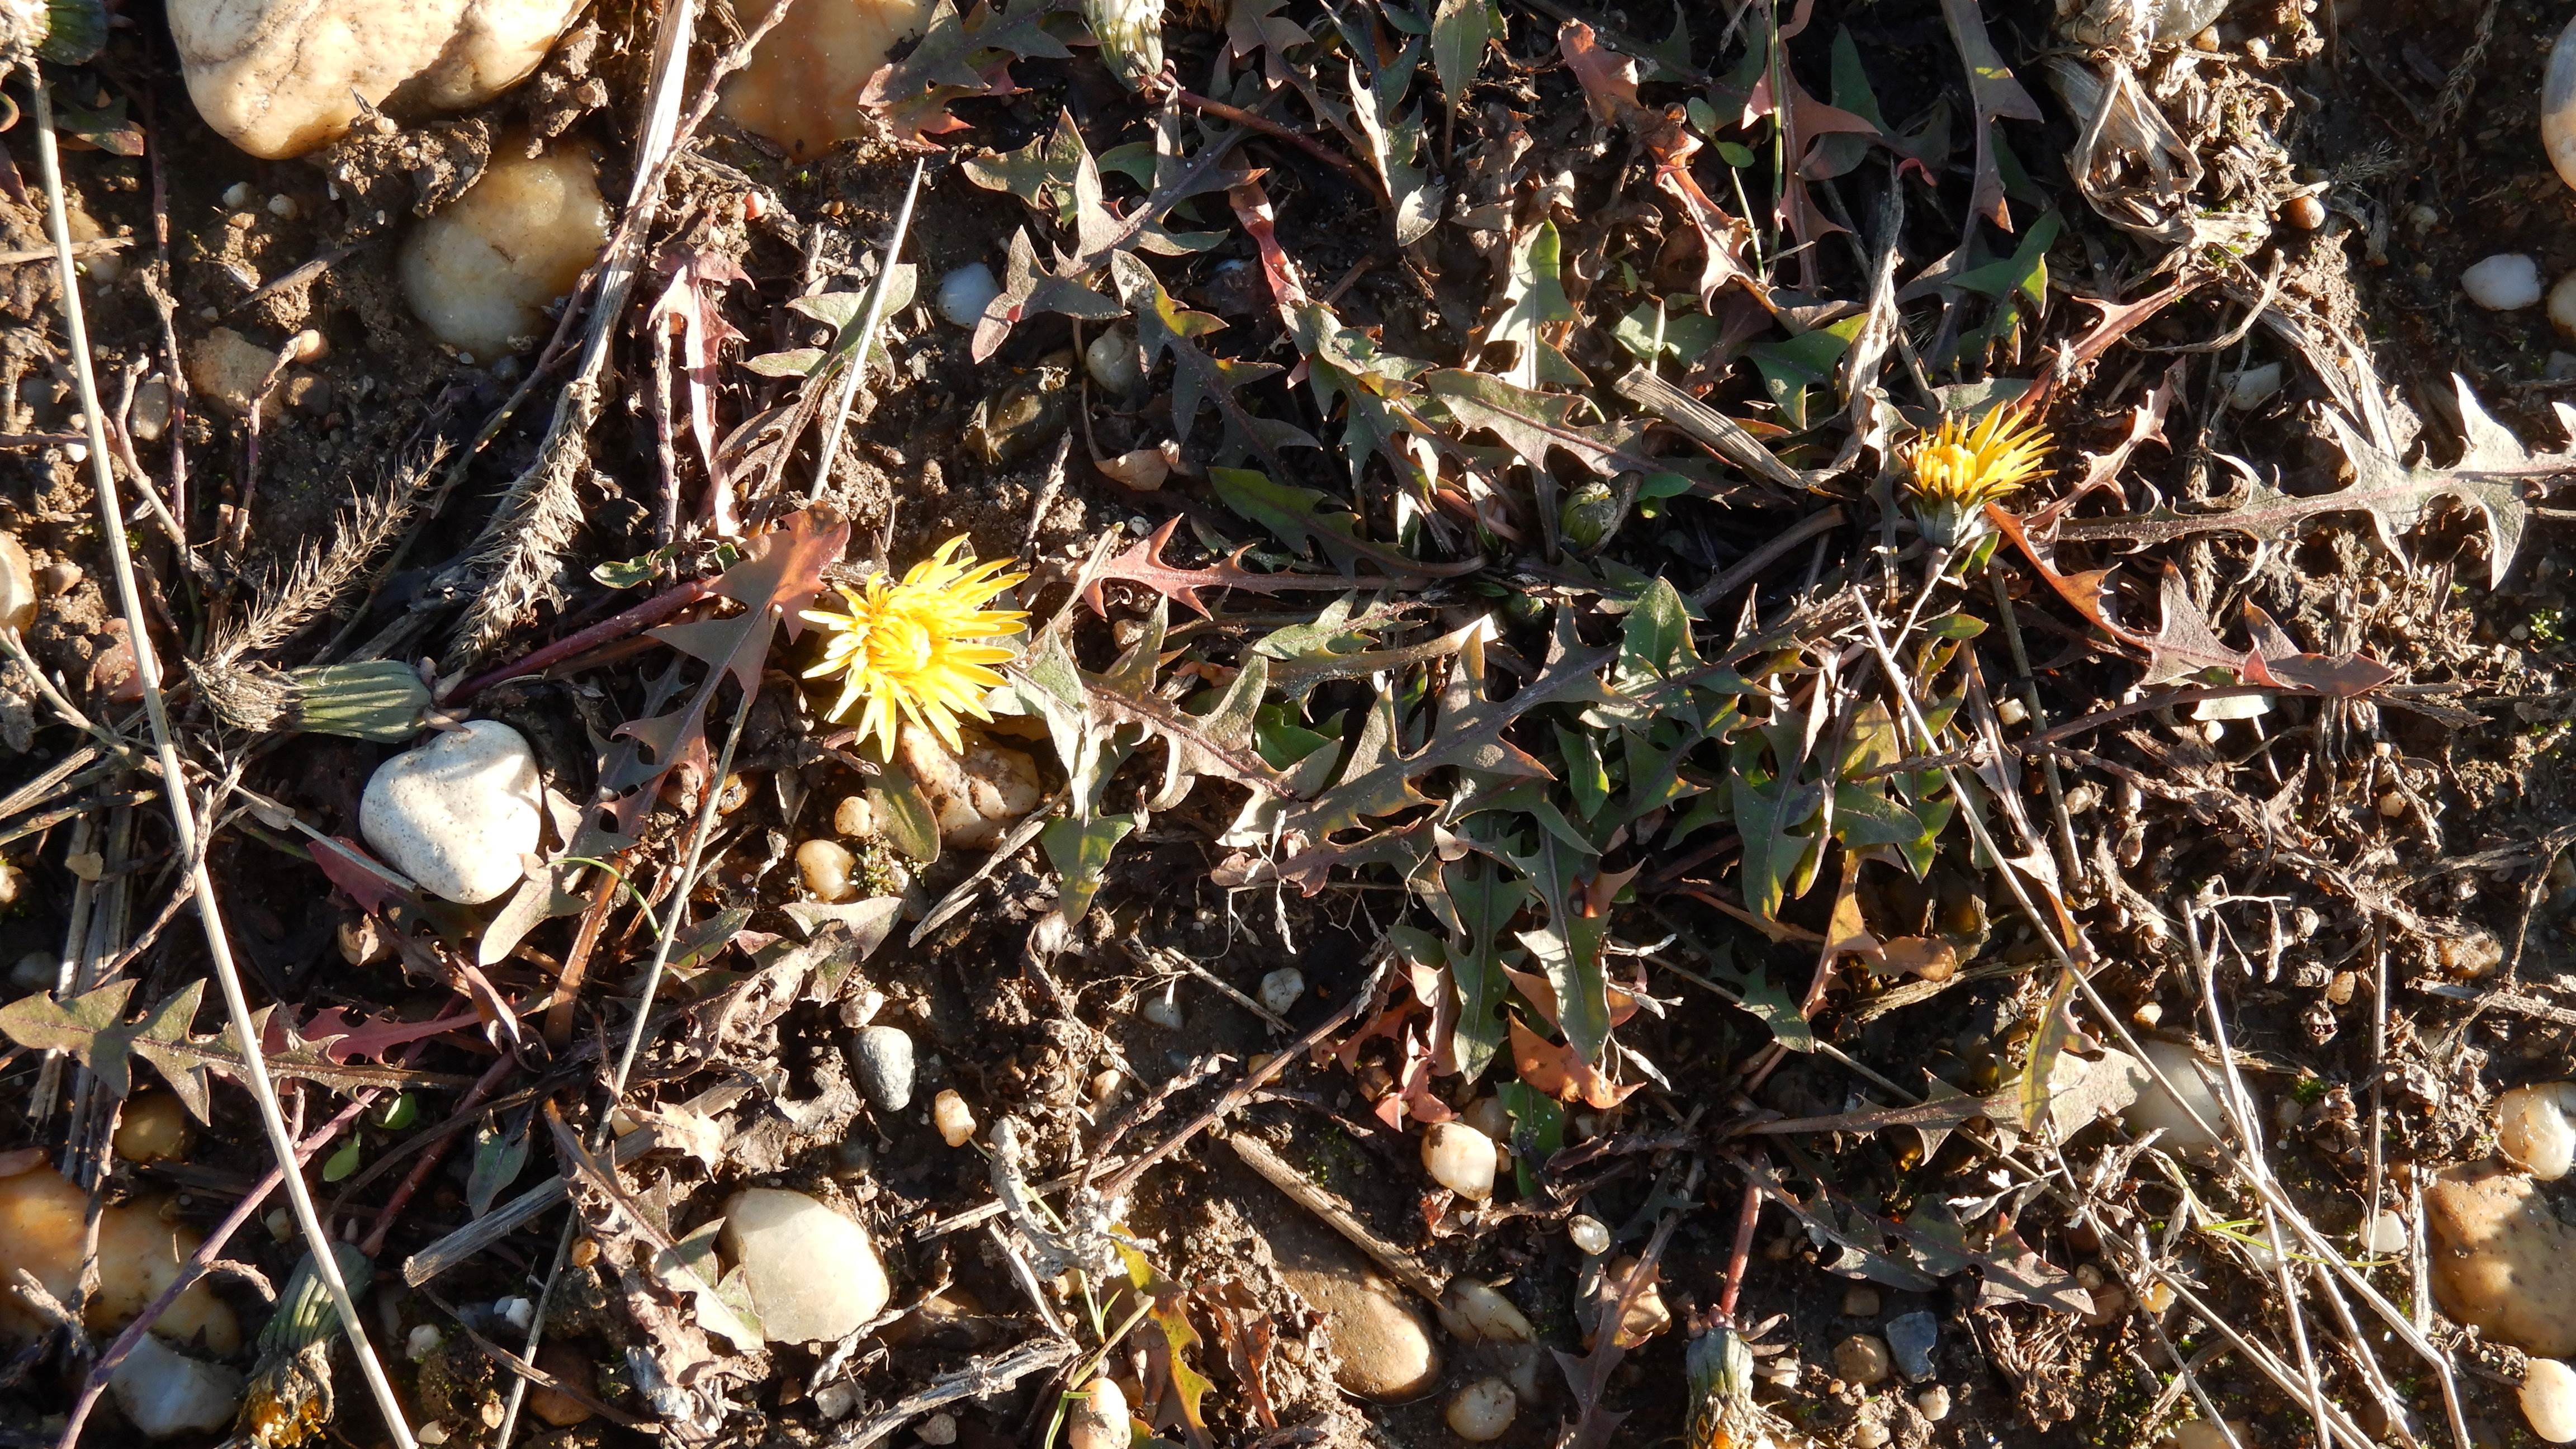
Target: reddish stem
[[643, 616], [434, 1154], [1742, 1252], [1276, 131]]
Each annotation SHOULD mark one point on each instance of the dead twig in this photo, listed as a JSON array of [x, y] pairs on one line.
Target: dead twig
[[984, 1376], [147, 669], [1399, 1264]]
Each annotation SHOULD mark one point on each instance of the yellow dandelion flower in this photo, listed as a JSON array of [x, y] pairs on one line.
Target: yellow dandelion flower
[[1963, 465], [915, 648]]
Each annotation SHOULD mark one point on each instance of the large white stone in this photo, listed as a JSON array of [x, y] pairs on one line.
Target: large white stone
[[281, 77], [165, 1393], [481, 272], [812, 1273], [457, 814]]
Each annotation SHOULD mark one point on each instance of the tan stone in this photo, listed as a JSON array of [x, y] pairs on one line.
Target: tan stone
[[802, 87], [481, 273], [974, 797], [1379, 1339], [2502, 1260], [282, 77]]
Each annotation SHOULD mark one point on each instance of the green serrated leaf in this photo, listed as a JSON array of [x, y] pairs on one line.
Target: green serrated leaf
[[1080, 850], [1460, 31], [1538, 1130], [1533, 300], [1585, 775], [1476, 900]]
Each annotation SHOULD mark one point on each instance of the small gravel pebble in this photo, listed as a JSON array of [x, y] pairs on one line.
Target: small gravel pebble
[[882, 1056], [1911, 1337], [1861, 1359]]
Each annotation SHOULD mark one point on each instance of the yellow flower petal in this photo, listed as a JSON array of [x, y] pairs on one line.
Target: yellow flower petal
[[904, 645]]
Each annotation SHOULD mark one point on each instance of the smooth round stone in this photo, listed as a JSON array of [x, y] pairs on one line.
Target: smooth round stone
[[1460, 1158], [1476, 1312], [1483, 1411], [1383, 1347], [801, 88], [481, 272], [2155, 1110], [812, 1273], [2549, 1400], [1860, 1301], [1098, 1420], [1112, 361], [825, 867], [883, 1058], [153, 1127], [457, 814], [965, 292], [1589, 1234], [2533, 1129], [281, 77], [2385, 1233], [2505, 282], [1863, 1359], [2503, 1260]]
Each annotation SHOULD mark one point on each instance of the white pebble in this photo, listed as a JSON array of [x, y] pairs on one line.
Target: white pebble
[[1475, 1312], [2505, 282], [239, 196], [825, 867], [422, 1343], [166, 1394], [938, 1429], [2532, 1128], [2249, 387], [2154, 1110], [1588, 1234], [966, 292], [1460, 1158], [516, 1312], [954, 1119], [1282, 989], [457, 814], [1162, 1010], [1112, 362], [1483, 1411], [783, 1242], [2385, 1233], [2549, 1400]]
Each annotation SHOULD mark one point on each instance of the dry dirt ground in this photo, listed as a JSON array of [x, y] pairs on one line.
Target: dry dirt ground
[[2411, 958]]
